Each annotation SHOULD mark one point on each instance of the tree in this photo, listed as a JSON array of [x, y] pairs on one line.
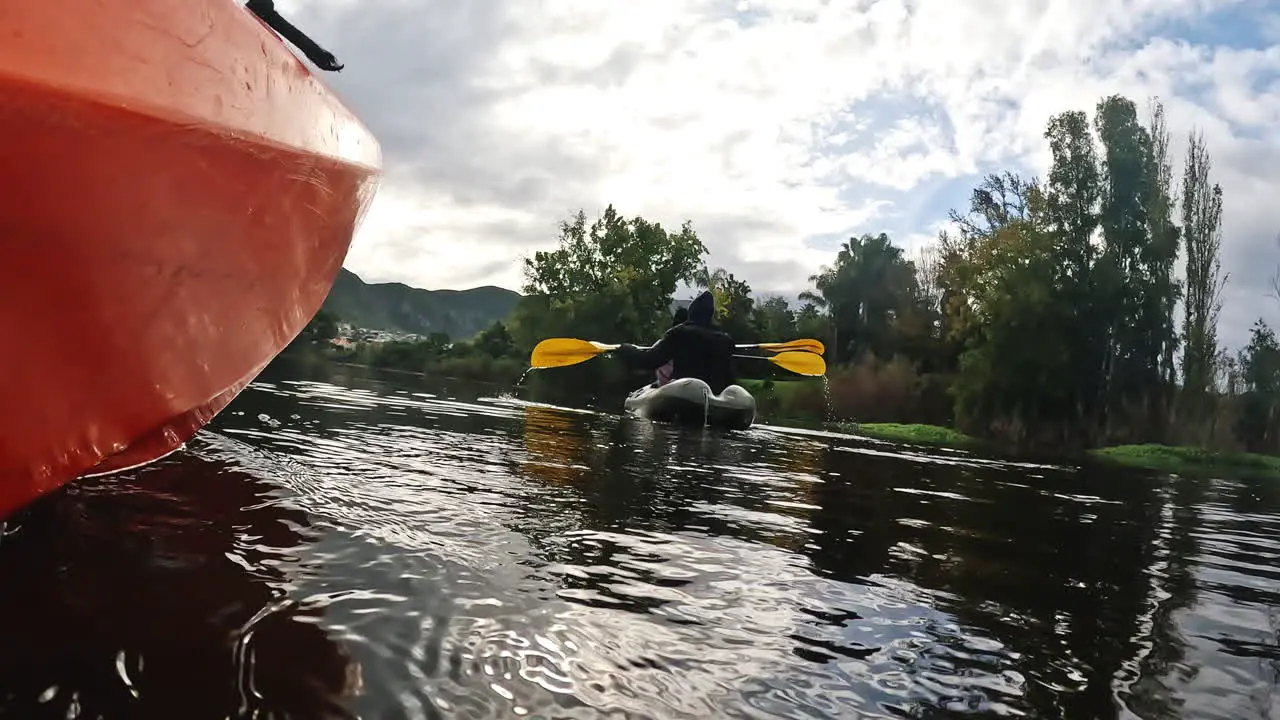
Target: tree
[[811, 323], [404, 355], [816, 313], [1162, 296], [997, 201], [1201, 231], [928, 265], [1004, 316], [1260, 366], [1049, 312], [734, 304], [495, 341], [1131, 289], [1071, 194], [440, 341], [613, 279], [322, 327], [773, 320], [1012, 373], [869, 285]]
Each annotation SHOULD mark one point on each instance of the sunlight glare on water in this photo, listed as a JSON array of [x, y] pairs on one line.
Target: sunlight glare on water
[[343, 547]]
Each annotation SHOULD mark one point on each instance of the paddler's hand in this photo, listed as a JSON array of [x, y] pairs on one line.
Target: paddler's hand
[[627, 351]]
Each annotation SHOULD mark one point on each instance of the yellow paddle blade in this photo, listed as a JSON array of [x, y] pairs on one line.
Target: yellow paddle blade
[[803, 345], [559, 352], [800, 363]]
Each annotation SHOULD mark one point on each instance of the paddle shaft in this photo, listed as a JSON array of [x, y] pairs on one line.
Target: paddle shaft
[[559, 352]]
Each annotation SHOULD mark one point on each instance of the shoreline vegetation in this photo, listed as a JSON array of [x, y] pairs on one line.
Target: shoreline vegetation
[[1073, 315], [1182, 460]]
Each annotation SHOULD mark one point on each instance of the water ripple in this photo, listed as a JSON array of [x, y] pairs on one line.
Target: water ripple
[[339, 547]]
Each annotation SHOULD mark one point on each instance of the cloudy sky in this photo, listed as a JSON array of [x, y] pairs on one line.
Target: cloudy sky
[[779, 127]]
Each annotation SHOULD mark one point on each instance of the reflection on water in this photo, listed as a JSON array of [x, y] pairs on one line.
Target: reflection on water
[[166, 594], [336, 546]]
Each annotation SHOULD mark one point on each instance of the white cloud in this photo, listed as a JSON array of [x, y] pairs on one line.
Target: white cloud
[[769, 122]]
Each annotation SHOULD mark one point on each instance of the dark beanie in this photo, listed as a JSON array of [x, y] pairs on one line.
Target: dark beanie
[[702, 309]]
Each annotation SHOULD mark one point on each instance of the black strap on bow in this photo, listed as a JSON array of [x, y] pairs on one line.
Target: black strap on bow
[[266, 9]]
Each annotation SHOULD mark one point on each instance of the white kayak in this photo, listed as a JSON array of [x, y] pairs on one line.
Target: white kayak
[[690, 400]]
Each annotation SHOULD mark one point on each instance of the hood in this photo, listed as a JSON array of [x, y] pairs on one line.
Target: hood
[[703, 308]]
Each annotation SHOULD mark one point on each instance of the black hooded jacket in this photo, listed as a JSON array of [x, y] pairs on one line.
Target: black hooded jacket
[[695, 348]]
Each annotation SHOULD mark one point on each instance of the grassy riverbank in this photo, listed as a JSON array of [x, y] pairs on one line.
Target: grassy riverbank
[[786, 401], [1182, 460], [795, 400], [912, 434], [781, 390], [1190, 460]]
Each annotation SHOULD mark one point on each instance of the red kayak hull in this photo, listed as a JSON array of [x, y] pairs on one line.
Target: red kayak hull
[[177, 195]]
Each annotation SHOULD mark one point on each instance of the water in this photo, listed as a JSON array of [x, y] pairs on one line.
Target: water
[[340, 546]]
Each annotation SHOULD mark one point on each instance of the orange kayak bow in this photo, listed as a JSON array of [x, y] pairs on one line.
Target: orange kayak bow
[[177, 194]]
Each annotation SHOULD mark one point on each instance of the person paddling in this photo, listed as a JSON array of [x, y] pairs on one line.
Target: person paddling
[[664, 372], [695, 348]]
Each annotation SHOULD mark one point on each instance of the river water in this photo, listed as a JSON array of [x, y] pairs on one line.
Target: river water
[[338, 545]]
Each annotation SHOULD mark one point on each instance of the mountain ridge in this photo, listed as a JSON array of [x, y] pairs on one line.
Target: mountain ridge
[[398, 307]]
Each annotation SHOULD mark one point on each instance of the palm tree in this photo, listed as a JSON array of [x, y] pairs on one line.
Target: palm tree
[[823, 282], [870, 282]]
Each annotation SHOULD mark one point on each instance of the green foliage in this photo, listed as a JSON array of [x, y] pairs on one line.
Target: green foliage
[[809, 323], [496, 341], [490, 356], [735, 308], [772, 318], [914, 434], [404, 355], [1059, 299], [1201, 228], [612, 280], [322, 327], [870, 284], [1163, 290], [1260, 407], [1045, 317], [1014, 367], [788, 399]]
